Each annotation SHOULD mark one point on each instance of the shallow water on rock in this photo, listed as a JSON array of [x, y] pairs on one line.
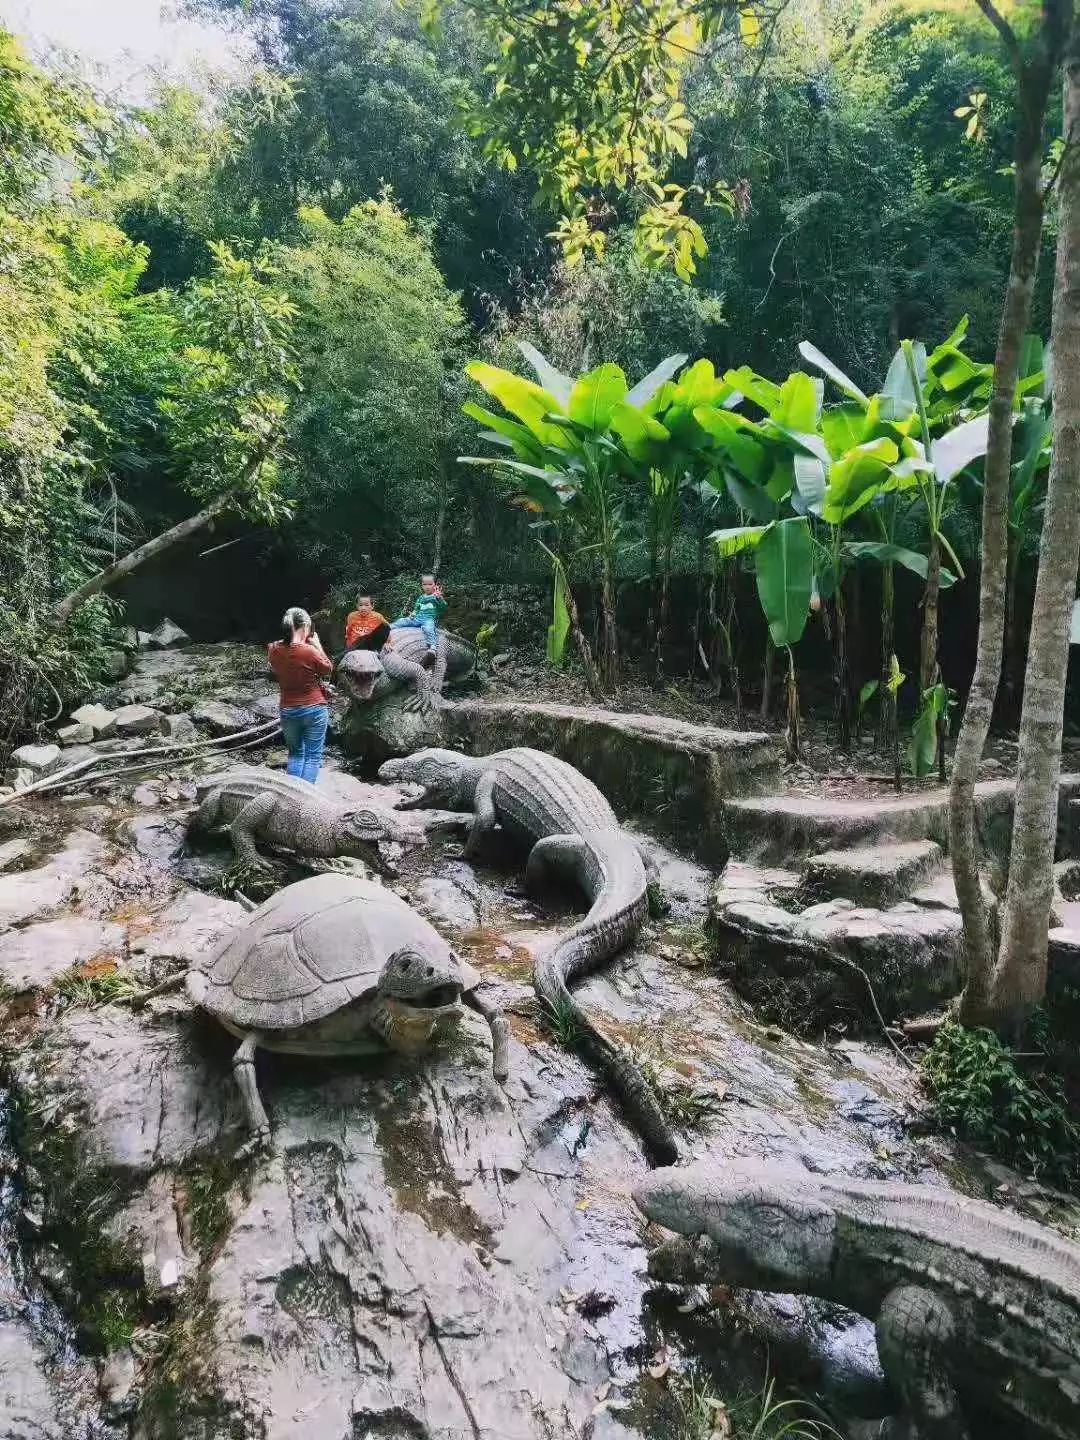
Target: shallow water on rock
[[426, 1254]]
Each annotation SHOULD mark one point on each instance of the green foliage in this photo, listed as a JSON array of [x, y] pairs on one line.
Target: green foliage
[[923, 746], [226, 411], [977, 1089], [703, 1414], [378, 335], [590, 98]]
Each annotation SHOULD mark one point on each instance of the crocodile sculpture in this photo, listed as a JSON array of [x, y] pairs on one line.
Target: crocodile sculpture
[[258, 804], [570, 827], [977, 1311], [366, 677]]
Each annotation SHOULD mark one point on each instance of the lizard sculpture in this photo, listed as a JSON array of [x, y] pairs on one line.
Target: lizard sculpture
[[977, 1311], [265, 805], [570, 827], [366, 677]]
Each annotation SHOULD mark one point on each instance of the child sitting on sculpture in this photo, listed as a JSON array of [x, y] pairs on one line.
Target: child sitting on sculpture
[[365, 628], [427, 610]]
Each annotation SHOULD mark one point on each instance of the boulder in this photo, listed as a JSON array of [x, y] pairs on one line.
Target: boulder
[[18, 777], [806, 969], [12, 851], [143, 639], [41, 759], [221, 718], [179, 728], [75, 735], [138, 720], [100, 720], [168, 636], [390, 727], [114, 664]]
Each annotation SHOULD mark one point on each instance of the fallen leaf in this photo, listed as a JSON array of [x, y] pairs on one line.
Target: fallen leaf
[[882, 1152], [99, 965], [582, 1204]]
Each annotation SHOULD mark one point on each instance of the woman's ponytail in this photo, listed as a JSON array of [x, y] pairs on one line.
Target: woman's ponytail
[[293, 620]]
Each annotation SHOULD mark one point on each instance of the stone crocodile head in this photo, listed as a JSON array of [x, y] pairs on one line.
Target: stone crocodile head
[[357, 672], [418, 997], [767, 1228], [441, 775]]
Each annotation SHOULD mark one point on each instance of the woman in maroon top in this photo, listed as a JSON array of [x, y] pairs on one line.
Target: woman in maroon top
[[299, 661]]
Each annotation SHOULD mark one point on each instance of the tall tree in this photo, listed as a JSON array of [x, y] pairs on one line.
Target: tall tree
[[1020, 976], [1035, 64]]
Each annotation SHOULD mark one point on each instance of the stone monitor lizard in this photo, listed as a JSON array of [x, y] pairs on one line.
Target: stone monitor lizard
[[570, 827], [365, 676], [258, 804], [977, 1311]]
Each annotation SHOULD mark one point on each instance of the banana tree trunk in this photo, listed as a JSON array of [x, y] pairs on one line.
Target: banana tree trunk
[[842, 669], [610, 651], [928, 640], [1020, 976], [887, 710], [665, 599], [766, 679], [588, 665]]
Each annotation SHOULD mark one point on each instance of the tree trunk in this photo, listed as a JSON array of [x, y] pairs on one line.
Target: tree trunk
[[842, 676], [766, 679], [108, 577], [1020, 975], [1011, 671], [592, 680], [928, 640], [886, 711], [699, 605], [611, 635], [1034, 80], [665, 600]]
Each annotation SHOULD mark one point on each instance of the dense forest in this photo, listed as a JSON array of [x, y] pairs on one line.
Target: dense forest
[[256, 297]]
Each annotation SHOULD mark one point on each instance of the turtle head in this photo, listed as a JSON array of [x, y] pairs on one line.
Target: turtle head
[[441, 775], [420, 995], [766, 1227], [357, 672]]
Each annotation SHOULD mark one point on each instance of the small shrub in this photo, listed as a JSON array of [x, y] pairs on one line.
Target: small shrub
[[705, 1414], [977, 1089]]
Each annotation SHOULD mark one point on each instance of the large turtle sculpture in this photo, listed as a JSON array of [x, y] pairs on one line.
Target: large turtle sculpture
[[332, 966]]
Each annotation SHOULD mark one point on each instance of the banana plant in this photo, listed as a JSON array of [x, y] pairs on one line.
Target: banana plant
[[575, 446], [784, 570], [901, 454], [679, 466]]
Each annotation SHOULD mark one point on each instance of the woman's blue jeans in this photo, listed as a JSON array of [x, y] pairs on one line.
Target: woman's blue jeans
[[304, 728]]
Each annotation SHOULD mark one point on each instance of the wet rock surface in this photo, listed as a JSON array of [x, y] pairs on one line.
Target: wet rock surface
[[426, 1254]]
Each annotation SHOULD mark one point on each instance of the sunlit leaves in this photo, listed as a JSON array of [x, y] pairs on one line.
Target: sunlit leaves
[[589, 95]]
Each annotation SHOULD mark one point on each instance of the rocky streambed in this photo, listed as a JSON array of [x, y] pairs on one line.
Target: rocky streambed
[[426, 1254]]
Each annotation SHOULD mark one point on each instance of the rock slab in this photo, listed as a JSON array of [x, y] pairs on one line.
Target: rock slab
[[873, 875], [41, 759], [100, 720], [138, 720], [168, 636], [221, 718]]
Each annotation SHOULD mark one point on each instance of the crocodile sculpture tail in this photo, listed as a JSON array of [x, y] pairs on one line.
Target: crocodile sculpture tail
[[609, 869]]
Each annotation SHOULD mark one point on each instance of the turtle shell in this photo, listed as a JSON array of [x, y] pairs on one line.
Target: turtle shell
[[311, 949]]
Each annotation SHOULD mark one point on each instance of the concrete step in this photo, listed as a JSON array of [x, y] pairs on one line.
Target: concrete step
[[878, 875], [784, 829]]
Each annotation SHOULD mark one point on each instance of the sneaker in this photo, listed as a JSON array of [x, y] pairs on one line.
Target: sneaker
[[430, 656]]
